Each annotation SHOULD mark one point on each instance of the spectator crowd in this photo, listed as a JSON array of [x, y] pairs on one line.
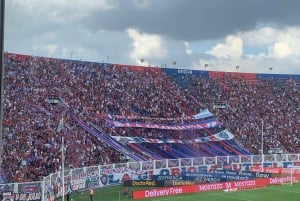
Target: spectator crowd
[[35, 87]]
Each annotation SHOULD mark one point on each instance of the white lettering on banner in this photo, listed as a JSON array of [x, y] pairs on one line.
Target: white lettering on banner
[[156, 193], [185, 71], [176, 171], [27, 196], [244, 183], [228, 185], [113, 170], [88, 174], [208, 187], [280, 180], [163, 192], [272, 170], [174, 191], [261, 175]]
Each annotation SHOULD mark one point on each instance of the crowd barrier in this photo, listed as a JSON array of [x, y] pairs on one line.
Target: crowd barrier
[[82, 179]]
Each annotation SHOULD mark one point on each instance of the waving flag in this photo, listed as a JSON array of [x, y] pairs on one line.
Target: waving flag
[[203, 114]]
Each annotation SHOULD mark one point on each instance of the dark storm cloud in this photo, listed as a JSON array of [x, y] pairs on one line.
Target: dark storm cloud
[[196, 19]]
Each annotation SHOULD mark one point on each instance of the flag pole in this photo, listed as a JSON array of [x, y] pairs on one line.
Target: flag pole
[[262, 144]]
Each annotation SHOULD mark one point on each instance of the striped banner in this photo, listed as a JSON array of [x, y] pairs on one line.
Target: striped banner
[[224, 135]]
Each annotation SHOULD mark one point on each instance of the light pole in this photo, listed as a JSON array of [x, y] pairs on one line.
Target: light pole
[[205, 66], [59, 129], [63, 167], [163, 66], [262, 144], [262, 136]]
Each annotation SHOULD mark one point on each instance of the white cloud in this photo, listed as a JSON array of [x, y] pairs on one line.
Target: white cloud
[[188, 50], [280, 50], [232, 48], [145, 46], [261, 37], [279, 42]]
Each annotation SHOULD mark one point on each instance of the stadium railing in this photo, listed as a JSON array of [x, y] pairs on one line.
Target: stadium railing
[[82, 179]]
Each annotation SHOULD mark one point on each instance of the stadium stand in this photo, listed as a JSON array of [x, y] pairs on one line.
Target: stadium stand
[[42, 92]]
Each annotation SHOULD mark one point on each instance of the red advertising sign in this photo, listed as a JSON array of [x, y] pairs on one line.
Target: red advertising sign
[[158, 192], [237, 185]]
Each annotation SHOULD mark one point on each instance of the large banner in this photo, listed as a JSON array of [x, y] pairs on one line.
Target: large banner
[[245, 173], [276, 170], [158, 183], [144, 183], [187, 126], [37, 196], [213, 177], [224, 135]]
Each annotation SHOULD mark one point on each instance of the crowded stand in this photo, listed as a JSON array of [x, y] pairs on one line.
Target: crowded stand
[[254, 106], [47, 98]]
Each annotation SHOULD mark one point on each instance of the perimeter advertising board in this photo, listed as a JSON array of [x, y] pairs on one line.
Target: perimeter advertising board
[[246, 184]]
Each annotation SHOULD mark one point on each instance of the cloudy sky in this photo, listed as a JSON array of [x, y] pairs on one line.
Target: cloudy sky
[[261, 36]]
